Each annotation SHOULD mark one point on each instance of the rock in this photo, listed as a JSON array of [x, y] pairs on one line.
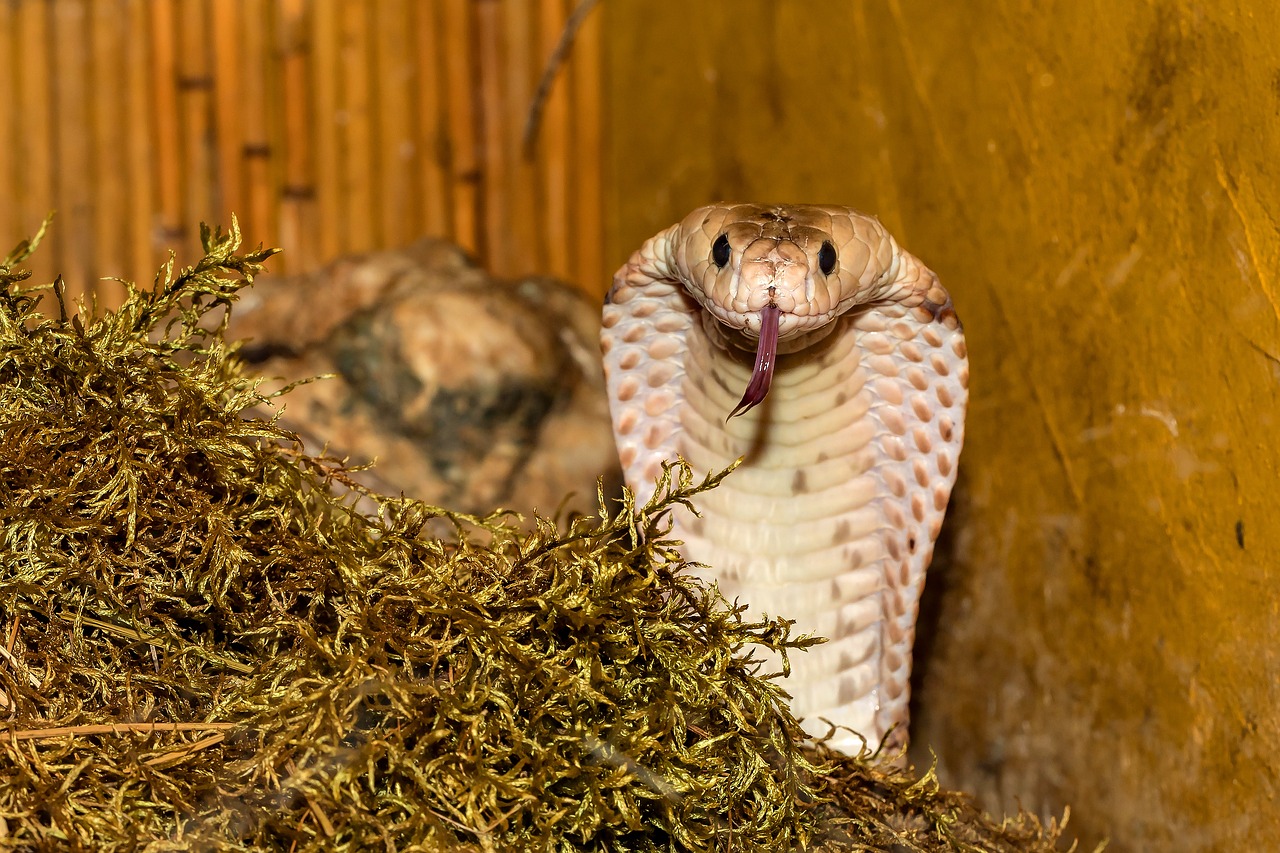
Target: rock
[[466, 392]]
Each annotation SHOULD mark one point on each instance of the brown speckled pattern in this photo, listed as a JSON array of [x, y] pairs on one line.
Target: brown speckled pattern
[[849, 461]]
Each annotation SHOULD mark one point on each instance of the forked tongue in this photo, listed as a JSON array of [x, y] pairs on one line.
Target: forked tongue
[[766, 355]]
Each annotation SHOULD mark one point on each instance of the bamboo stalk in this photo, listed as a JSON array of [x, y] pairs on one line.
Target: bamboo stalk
[[430, 127], [491, 104], [400, 152], [297, 203], [553, 145], [10, 216], [327, 126], [227, 92], [460, 109], [589, 269], [325, 71], [167, 151], [359, 158], [34, 183], [140, 207], [520, 70], [259, 156], [195, 94], [108, 136], [71, 141]]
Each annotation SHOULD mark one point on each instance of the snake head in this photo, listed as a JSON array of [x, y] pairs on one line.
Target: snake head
[[776, 277]]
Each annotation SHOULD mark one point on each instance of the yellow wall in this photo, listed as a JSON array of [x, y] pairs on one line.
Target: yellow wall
[[1099, 185]]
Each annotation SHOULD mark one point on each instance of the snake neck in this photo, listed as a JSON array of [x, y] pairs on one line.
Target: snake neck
[[795, 532]]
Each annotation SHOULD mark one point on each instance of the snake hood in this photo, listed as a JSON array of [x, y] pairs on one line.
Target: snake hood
[[830, 519]]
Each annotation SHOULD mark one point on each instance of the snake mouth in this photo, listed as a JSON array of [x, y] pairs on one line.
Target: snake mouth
[[766, 356]]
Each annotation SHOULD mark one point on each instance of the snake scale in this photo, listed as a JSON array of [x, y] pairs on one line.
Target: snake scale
[[844, 362]]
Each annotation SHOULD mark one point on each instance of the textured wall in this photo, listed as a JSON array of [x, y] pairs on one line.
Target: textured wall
[[1097, 184]]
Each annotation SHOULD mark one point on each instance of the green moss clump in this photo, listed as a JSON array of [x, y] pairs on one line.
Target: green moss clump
[[206, 646]]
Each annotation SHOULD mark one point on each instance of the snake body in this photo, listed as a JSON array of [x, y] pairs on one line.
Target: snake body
[[855, 375]]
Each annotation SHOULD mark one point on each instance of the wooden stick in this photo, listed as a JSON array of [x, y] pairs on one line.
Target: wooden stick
[[172, 755], [18, 665], [161, 641]]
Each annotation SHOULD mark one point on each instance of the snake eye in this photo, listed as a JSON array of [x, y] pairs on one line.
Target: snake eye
[[827, 258], [720, 251]]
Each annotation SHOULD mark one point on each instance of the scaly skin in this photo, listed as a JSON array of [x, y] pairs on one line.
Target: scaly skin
[[850, 454]]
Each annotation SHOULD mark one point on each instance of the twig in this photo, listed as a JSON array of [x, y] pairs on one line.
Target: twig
[[163, 641], [321, 818], [182, 752], [16, 664], [112, 729], [549, 71]]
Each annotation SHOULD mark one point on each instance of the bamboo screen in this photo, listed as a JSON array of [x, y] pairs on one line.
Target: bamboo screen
[[327, 126]]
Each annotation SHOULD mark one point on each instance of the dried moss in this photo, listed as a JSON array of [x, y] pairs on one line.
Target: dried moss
[[206, 647]]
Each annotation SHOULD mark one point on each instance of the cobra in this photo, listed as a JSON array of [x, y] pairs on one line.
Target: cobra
[[803, 339]]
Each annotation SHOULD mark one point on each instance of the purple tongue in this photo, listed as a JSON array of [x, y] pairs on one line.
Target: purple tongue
[[766, 355]]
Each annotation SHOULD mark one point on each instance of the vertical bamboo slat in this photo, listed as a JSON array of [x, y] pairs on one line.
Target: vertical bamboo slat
[[11, 227], [107, 138], [34, 180], [71, 142], [195, 101], [464, 166], [140, 204], [490, 49], [586, 242], [261, 202], [399, 154], [167, 143], [298, 198], [520, 69], [327, 126], [326, 68], [360, 167], [553, 145], [433, 185], [227, 94]]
